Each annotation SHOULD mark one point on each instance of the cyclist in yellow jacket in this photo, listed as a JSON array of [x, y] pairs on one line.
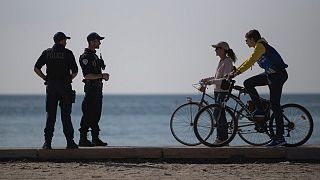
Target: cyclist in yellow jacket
[[275, 76]]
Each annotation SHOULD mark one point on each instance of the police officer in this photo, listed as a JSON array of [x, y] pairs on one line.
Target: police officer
[[91, 66], [61, 68]]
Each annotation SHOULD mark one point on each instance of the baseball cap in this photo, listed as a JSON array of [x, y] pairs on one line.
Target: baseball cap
[[92, 36], [60, 36], [222, 45]]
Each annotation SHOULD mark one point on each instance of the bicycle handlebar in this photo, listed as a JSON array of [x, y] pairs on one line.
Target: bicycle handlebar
[[227, 84], [200, 86]]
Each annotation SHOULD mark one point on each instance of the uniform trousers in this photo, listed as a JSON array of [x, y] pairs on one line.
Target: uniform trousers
[[91, 108], [59, 92]]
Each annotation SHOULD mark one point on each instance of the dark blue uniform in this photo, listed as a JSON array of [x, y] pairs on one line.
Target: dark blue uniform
[[92, 103], [59, 62]]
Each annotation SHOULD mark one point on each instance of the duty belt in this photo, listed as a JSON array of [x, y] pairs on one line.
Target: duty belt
[[92, 82]]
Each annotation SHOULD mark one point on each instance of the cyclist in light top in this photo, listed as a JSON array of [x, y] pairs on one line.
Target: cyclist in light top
[[275, 76], [225, 66]]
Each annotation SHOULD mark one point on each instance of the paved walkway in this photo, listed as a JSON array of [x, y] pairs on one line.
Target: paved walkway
[[303, 153]]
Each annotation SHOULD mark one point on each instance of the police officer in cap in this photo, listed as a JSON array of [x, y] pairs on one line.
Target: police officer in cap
[[92, 67], [61, 68]]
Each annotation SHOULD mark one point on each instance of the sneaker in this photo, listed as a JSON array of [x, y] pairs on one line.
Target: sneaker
[[277, 143], [72, 145]]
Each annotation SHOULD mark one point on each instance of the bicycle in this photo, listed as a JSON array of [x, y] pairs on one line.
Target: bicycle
[[298, 122], [182, 119]]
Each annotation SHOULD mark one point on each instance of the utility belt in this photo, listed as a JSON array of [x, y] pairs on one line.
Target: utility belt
[[54, 81], [95, 83], [61, 84]]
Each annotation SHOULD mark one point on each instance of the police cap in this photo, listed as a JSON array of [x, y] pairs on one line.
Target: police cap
[[60, 36], [92, 36]]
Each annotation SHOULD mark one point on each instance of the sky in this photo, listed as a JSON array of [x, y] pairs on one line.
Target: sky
[[158, 46]]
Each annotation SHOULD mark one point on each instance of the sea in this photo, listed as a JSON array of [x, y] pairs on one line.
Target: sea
[[127, 120]]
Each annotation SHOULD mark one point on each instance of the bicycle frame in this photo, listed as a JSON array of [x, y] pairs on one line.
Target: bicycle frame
[[247, 113]]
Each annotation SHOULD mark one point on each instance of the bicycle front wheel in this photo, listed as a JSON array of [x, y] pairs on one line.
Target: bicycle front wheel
[[253, 133], [182, 121], [215, 126], [298, 124]]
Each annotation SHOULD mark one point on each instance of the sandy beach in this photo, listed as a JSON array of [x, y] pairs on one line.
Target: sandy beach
[[156, 170]]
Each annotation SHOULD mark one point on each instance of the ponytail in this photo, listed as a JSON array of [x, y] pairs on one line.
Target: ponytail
[[231, 54]]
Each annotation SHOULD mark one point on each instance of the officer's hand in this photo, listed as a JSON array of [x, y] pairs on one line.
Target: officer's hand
[[105, 76], [45, 80]]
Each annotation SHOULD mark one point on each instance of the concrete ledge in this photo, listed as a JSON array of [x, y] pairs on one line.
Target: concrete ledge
[[101, 153], [304, 153], [199, 153], [18, 153], [264, 153]]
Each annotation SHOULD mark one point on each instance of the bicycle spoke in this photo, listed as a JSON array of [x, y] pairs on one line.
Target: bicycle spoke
[[298, 124], [209, 121], [251, 132]]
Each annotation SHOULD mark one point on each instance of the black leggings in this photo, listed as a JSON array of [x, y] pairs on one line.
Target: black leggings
[[275, 83]]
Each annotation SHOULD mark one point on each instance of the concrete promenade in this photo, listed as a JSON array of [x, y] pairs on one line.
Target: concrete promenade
[[303, 153]]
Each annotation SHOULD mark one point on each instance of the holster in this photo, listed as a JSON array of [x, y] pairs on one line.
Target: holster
[[73, 96]]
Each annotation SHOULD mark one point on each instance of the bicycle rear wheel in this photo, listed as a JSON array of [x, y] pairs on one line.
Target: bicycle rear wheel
[[253, 133], [206, 125], [298, 124], [182, 121]]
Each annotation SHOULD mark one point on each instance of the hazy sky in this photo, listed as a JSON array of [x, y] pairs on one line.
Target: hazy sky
[[158, 46]]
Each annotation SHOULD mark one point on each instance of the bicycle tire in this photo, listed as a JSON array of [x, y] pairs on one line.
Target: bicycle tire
[[256, 134], [297, 121], [183, 119], [205, 126]]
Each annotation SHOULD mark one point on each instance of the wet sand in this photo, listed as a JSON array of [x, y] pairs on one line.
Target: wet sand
[[157, 170]]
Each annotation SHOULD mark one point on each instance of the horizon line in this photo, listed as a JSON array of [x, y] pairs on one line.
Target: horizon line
[[152, 94]]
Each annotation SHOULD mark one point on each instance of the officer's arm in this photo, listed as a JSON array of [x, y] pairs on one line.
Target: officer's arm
[[40, 62], [73, 75], [39, 73], [93, 76], [73, 65]]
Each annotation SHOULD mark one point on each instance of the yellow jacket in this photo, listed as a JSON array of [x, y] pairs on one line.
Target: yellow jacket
[[258, 51]]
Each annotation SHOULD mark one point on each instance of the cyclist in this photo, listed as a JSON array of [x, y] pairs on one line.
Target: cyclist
[[225, 66], [275, 76]]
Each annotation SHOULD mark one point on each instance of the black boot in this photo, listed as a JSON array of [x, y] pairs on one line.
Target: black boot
[[84, 142], [96, 140], [47, 141], [47, 145], [72, 145]]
